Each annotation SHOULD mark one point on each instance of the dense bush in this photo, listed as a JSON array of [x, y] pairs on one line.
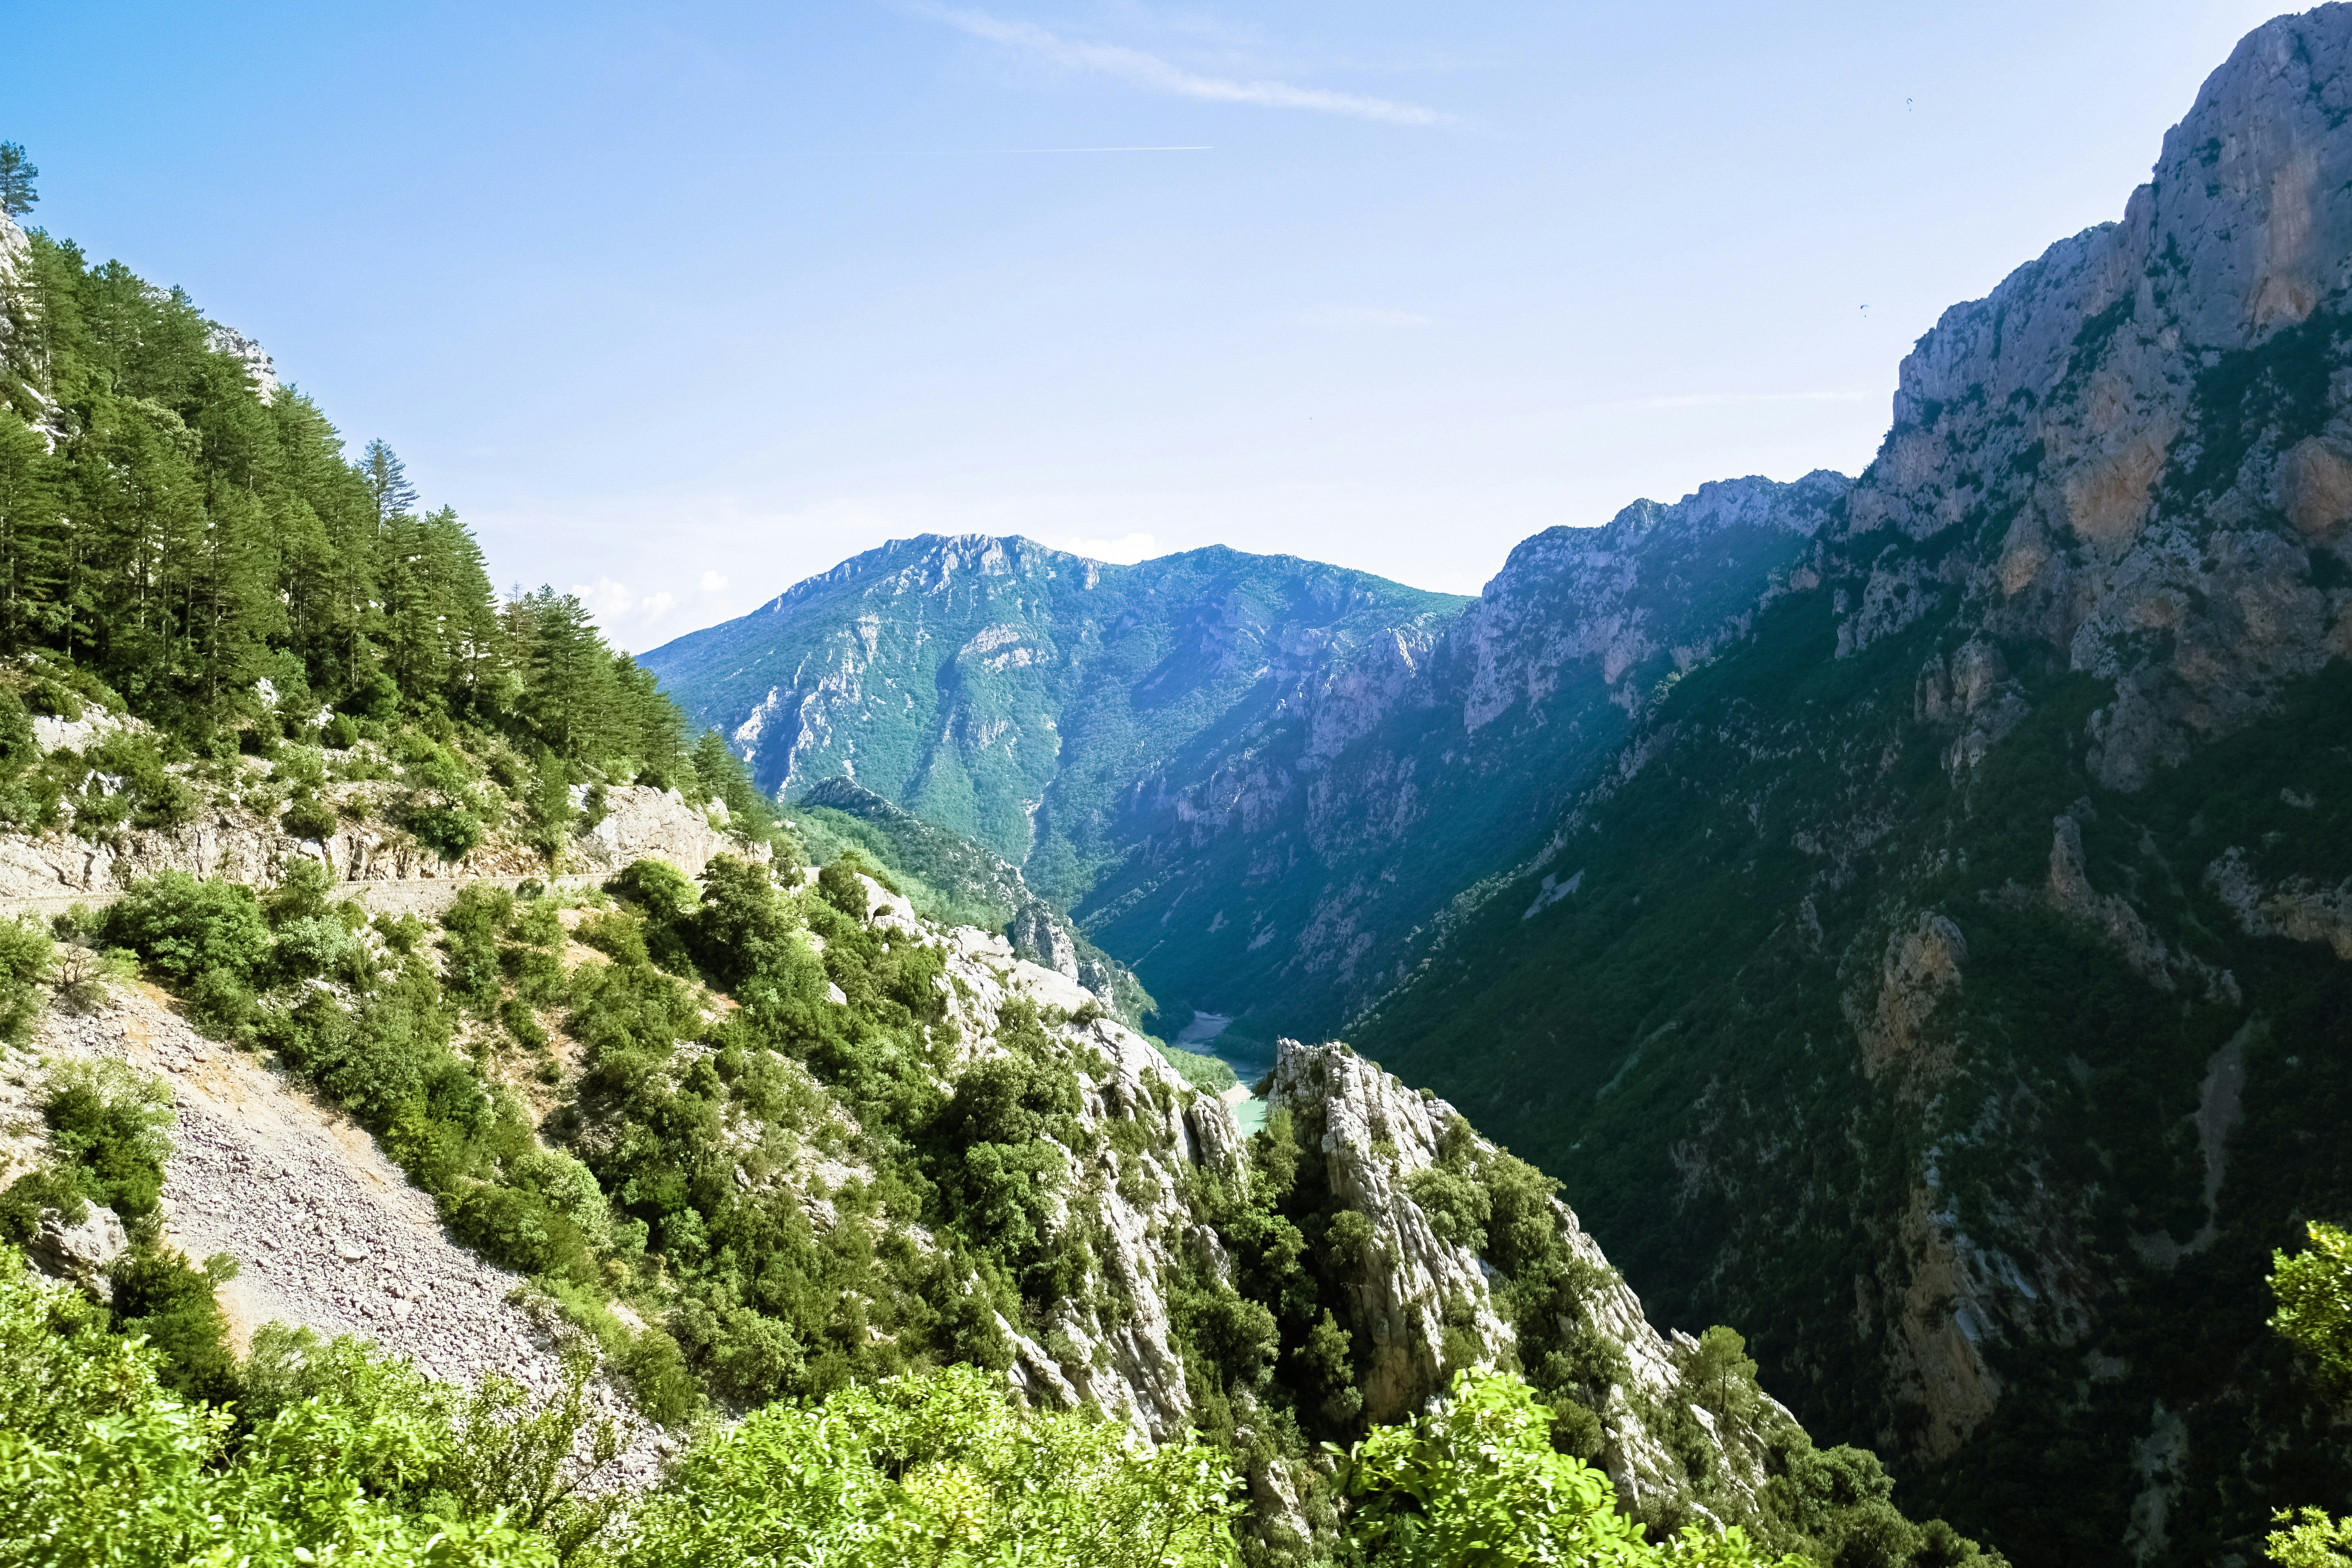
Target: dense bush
[[26, 955], [935, 1469], [107, 1134], [184, 927]]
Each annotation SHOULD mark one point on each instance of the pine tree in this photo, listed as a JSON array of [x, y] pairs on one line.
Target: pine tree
[[387, 481], [566, 671], [28, 508], [17, 195]]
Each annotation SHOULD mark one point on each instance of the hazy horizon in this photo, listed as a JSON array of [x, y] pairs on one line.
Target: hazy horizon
[[680, 306]]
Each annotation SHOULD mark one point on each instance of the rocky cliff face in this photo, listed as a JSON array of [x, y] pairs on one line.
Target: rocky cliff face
[[1293, 885], [1963, 929], [243, 838], [1425, 1306], [1017, 695], [1263, 781]]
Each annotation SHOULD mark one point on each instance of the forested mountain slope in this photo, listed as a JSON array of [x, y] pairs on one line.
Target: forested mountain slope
[[1950, 980], [1254, 779], [948, 1255], [1020, 695]]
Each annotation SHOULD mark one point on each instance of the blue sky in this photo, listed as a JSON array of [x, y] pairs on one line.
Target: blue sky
[[679, 303]]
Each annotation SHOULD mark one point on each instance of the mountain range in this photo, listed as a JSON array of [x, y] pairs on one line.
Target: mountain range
[[1911, 914]]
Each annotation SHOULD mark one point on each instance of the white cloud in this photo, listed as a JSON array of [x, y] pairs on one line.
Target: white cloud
[[1124, 551], [1151, 73], [606, 600], [712, 582]]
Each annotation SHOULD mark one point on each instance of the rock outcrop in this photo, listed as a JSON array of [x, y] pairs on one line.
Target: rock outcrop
[[81, 1251], [1906, 926], [230, 841], [1425, 1307]]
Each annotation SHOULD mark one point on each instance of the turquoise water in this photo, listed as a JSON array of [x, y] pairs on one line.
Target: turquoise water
[[1250, 1059]]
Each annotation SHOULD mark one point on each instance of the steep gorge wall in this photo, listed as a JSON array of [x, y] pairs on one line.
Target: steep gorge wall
[[1961, 945]]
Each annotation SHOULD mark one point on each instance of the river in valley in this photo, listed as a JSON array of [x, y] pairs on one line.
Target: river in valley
[[1250, 1059]]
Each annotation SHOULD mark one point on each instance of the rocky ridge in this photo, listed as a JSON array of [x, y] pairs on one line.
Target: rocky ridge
[[1414, 1286], [228, 838], [2015, 824]]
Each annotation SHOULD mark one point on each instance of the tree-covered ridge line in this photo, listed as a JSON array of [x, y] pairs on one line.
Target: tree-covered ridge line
[[201, 546]]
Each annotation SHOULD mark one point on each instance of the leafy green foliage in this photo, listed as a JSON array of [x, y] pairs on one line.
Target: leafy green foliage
[[107, 1131], [101, 1463], [2315, 1303], [187, 928], [934, 1469], [26, 955], [1477, 1484], [2313, 1289], [2310, 1540]]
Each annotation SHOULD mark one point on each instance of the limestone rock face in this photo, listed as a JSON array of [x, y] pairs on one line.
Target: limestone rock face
[[2076, 453], [1042, 940], [235, 844], [81, 1252], [1377, 1135], [1374, 1136], [258, 366], [640, 823]]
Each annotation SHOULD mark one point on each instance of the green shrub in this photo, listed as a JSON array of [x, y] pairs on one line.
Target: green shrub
[[937, 1463], [839, 886], [105, 1126], [473, 923], [152, 796], [448, 831], [220, 1002], [308, 817], [26, 957], [107, 1465], [657, 1378], [2313, 1289], [308, 946], [741, 927], [19, 748], [160, 1296], [182, 926]]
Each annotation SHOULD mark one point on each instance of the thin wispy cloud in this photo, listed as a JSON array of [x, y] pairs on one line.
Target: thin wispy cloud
[[1154, 74]]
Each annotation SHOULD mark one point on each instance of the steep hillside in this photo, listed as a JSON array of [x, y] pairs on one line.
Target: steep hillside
[[1967, 946], [1255, 780], [1019, 696], [892, 1146], [957, 882]]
